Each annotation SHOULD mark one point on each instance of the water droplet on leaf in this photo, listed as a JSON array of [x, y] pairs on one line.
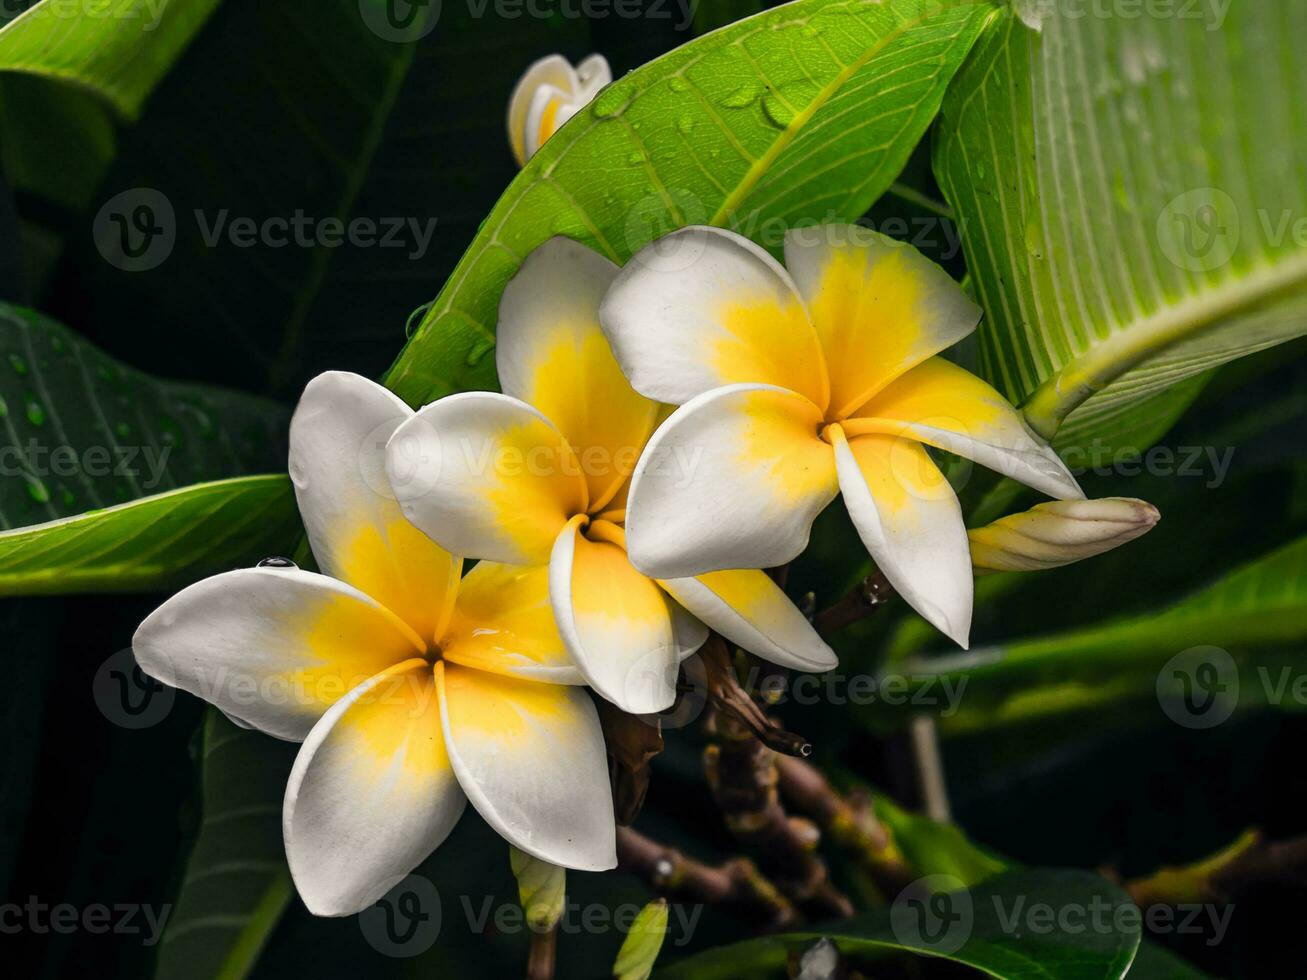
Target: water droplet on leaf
[[741, 97], [37, 490]]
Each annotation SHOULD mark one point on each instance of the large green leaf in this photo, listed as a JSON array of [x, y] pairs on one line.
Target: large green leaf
[[992, 918], [237, 883], [1130, 197], [805, 112], [271, 118], [117, 49], [1244, 632], [154, 543], [79, 431]]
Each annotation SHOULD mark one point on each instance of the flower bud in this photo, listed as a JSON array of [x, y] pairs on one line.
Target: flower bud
[[635, 960], [541, 888], [1059, 532]]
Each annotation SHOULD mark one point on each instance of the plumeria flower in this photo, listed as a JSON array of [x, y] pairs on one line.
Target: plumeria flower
[[548, 94], [412, 692], [797, 385], [538, 475]]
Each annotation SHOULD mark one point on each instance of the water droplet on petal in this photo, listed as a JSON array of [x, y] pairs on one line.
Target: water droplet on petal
[[277, 562]]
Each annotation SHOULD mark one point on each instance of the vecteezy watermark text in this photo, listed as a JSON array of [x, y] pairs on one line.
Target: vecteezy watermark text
[[64, 918], [37, 459], [137, 230]]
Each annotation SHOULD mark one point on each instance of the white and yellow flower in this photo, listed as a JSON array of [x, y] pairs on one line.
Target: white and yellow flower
[[548, 94], [538, 475], [411, 691], [797, 385]]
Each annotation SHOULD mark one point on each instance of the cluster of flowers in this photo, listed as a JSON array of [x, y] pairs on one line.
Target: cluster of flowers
[[776, 387]]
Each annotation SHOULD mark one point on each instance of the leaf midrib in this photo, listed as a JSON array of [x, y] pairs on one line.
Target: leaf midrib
[[1090, 372]]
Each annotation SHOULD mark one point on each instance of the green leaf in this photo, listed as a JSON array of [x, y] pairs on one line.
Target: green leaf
[[1155, 962], [934, 848], [1252, 621], [1127, 192], [118, 49], [805, 112], [155, 543], [237, 883], [990, 926], [250, 158], [81, 432]]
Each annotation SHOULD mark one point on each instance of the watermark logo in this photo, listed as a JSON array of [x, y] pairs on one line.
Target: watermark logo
[[405, 921], [1199, 230], [136, 230], [934, 912], [1199, 687], [127, 696], [400, 21]]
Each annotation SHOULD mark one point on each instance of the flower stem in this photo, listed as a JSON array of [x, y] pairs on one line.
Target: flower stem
[[737, 881], [861, 601]]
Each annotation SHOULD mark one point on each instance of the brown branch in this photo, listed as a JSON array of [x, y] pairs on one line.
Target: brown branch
[[860, 602], [730, 700], [736, 882], [1249, 860], [742, 774], [541, 959], [849, 820]]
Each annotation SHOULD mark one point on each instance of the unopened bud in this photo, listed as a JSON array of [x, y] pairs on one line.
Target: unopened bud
[[635, 960], [541, 889], [1059, 532]]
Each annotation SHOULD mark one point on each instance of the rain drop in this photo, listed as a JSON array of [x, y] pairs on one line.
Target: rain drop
[[777, 110], [277, 562], [35, 413], [741, 97], [18, 364], [37, 490], [609, 103], [479, 350]]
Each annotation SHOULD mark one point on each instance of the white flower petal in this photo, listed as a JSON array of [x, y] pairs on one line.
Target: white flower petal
[[909, 518], [879, 306], [617, 623], [272, 647], [948, 407], [753, 612], [531, 759], [371, 793], [553, 70], [503, 622], [733, 479], [485, 476], [704, 307], [338, 442], [552, 354]]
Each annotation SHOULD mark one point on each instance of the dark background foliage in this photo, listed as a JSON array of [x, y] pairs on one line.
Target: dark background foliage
[[313, 114]]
